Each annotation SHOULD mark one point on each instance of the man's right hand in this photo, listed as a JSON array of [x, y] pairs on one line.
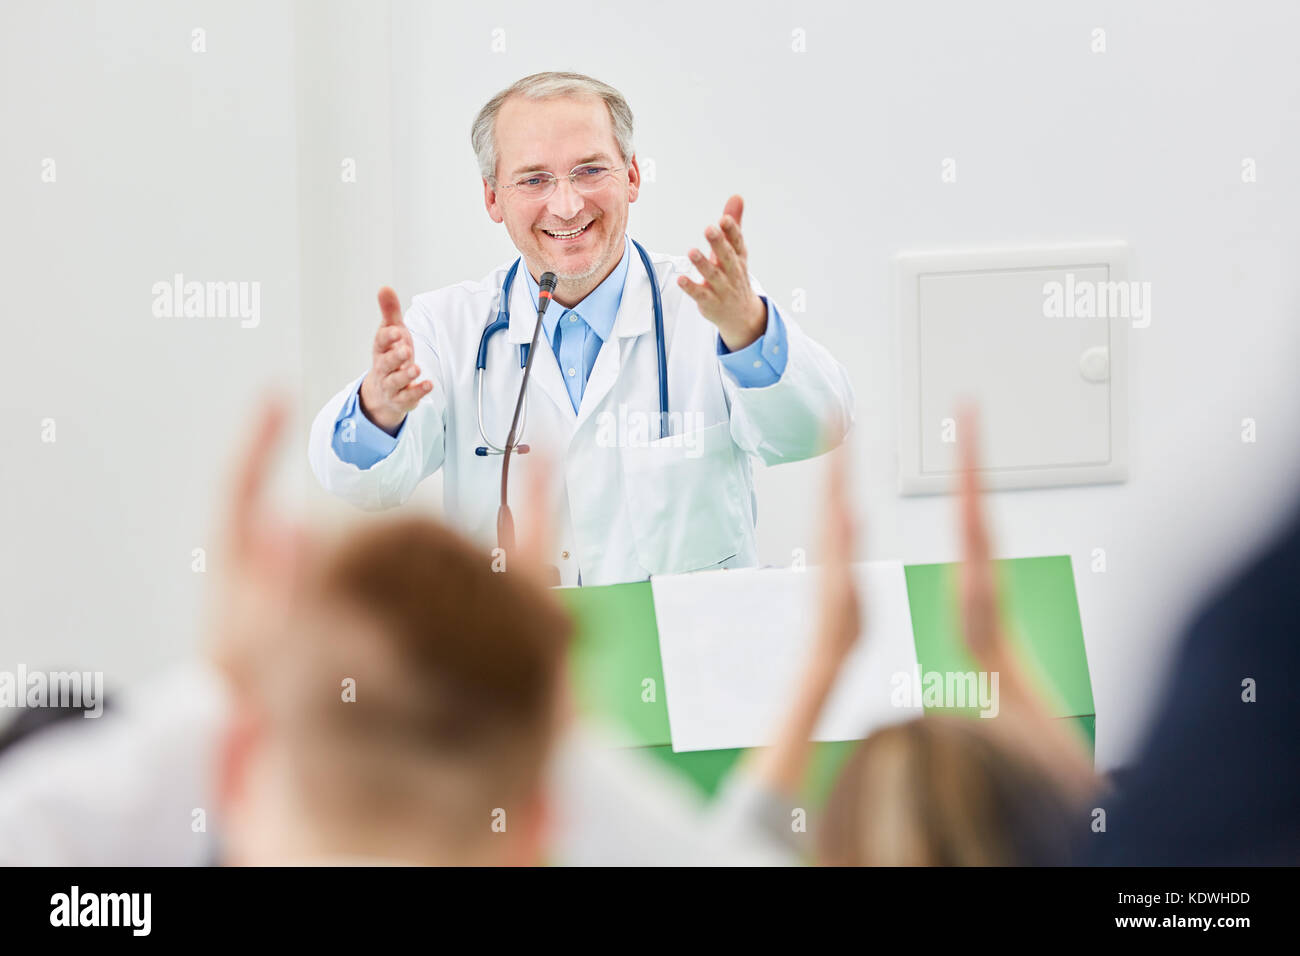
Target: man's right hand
[[390, 389]]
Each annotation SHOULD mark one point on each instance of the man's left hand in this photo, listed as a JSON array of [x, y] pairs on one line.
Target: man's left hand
[[725, 297]]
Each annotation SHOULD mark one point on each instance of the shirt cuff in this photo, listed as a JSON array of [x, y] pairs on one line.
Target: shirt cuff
[[358, 440], [762, 362]]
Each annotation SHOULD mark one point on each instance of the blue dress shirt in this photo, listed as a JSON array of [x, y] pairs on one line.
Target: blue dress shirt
[[576, 336]]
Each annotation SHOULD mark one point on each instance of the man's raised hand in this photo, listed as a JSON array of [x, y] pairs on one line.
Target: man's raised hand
[[725, 297], [390, 390]]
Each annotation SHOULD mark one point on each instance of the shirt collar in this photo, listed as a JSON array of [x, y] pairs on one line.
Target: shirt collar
[[600, 307]]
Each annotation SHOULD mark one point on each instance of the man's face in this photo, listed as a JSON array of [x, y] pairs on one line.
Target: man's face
[[554, 135]]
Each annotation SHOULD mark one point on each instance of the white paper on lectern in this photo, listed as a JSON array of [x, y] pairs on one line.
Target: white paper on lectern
[[735, 643]]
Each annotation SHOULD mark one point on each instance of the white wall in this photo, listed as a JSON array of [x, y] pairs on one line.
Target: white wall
[[226, 166], [837, 152], [345, 143], [167, 161]]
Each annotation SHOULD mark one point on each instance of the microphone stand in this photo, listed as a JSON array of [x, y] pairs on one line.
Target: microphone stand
[[505, 520]]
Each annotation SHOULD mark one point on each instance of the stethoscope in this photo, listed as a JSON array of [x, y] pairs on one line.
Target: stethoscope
[[503, 322]]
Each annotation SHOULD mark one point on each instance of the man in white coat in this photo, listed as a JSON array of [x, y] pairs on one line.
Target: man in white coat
[[641, 493]]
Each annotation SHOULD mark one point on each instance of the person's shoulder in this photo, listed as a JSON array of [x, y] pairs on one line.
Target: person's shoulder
[[463, 292], [464, 302], [1249, 609], [670, 267], [681, 311], [664, 262]]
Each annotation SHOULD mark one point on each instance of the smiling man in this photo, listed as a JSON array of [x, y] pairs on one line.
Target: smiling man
[[654, 381]]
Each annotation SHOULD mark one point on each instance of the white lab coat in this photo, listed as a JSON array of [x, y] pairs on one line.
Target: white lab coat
[[627, 507]]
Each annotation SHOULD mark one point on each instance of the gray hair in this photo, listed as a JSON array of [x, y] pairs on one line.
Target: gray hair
[[541, 86]]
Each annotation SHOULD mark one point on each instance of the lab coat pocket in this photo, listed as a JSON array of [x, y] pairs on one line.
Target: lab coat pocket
[[686, 500]]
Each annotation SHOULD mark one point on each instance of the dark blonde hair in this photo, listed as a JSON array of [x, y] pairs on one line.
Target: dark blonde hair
[[944, 791]]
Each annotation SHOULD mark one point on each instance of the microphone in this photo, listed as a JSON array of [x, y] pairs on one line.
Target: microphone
[[547, 287], [505, 520]]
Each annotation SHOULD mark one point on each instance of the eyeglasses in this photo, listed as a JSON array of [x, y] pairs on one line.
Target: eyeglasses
[[586, 178]]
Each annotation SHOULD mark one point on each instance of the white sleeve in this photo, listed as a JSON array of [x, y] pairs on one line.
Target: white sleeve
[[745, 805], [421, 444], [614, 806], [807, 411], [120, 789]]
